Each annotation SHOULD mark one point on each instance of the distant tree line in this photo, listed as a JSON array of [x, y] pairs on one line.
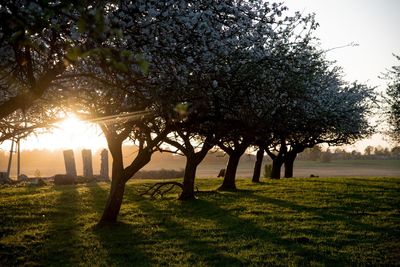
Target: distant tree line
[[319, 154]]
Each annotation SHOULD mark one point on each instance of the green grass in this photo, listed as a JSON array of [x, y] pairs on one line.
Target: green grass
[[288, 222]]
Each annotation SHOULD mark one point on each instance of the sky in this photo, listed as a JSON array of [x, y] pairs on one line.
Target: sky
[[374, 25]]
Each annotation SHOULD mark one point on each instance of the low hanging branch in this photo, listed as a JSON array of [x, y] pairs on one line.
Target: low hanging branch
[[160, 189]]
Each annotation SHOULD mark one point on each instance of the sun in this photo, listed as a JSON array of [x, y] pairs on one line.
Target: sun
[[70, 133]]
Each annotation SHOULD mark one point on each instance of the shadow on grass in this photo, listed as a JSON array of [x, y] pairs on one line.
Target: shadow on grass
[[366, 183], [123, 244], [98, 196], [302, 249], [22, 225], [62, 240], [184, 240], [232, 237], [121, 241], [325, 215]]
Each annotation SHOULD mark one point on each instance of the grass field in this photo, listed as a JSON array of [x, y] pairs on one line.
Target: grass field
[[287, 222]]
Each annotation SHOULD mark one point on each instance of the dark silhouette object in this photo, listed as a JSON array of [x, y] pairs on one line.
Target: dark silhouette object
[[22, 177], [267, 170], [64, 179], [159, 189], [87, 163], [312, 175], [258, 164], [221, 173], [36, 182], [69, 161], [104, 165], [4, 178]]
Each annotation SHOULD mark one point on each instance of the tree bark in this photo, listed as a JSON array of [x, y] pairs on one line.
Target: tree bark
[[121, 175], [289, 162], [278, 160], [114, 201], [258, 164], [119, 178], [193, 159], [276, 168], [188, 178], [229, 182]]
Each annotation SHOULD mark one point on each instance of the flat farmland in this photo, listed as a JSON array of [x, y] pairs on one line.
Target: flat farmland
[[339, 168]]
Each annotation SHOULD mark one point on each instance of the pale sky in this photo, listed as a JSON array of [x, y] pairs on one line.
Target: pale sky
[[372, 24]]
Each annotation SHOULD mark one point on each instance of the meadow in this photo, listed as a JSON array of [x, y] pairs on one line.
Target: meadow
[[287, 222]]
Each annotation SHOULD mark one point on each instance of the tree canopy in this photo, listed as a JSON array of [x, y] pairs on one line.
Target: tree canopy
[[226, 73], [393, 91]]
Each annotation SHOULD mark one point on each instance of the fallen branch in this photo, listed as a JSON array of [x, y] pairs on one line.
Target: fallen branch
[[161, 188]]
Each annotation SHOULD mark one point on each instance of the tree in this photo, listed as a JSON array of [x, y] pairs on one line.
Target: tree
[[393, 92], [396, 151], [39, 41], [195, 150], [368, 150], [225, 80], [123, 112], [256, 84], [175, 39], [258, 163], [327, 110]]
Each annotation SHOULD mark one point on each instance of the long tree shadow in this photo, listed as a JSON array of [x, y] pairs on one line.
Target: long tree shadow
[[210, 245], [360, 226], [362, 194], [61, 238], [123, 242], [325, 214], [184, 240], [98, 196], [23, 226], [302, 248], [365, 183]]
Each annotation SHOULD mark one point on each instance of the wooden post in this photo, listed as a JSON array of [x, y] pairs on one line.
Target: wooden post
[[18, 158], [10, 159], [104, 164], [69, 161], [87, 163]]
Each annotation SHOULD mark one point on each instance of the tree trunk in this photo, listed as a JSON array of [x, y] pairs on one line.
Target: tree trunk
[[121, 175], [229, 182], [193, 159], [276, 168], [119, 178], [258, 164], [114, 201], [188, 178], [289, 162]]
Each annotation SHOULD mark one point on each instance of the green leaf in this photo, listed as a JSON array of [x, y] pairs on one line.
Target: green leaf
[[120, 66], [143, 64], [73, 54], [81, 25]]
